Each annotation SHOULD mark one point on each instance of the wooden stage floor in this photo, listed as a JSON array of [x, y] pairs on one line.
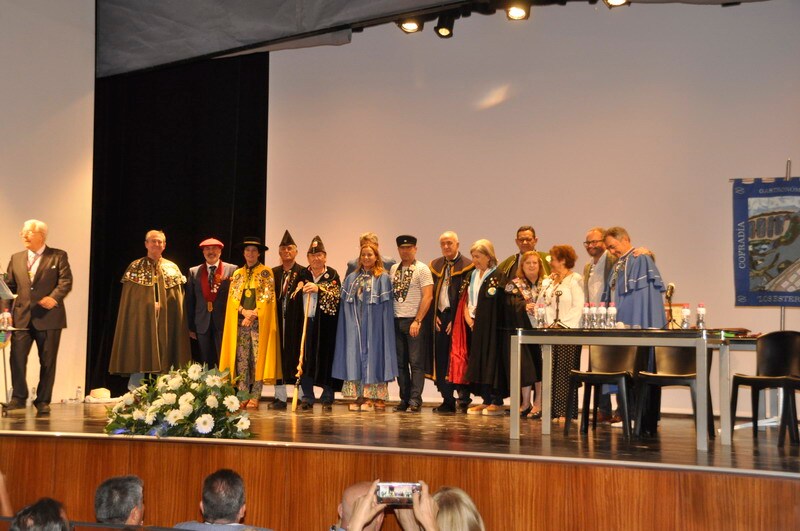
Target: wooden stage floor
[[464, 436]]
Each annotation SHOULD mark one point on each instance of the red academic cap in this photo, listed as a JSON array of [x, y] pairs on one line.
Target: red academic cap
[[211, 241]]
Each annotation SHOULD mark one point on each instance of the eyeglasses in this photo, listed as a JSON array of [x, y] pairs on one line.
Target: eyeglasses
[[592, 242], [24, 233]]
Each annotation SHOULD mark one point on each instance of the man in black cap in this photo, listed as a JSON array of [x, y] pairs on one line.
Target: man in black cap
[[412, 285], [290, 315], [322, 289], [206, 299]]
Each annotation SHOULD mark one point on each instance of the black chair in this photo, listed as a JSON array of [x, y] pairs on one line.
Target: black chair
[[789, 414], [777, 358], [607, 366], [674, 366]]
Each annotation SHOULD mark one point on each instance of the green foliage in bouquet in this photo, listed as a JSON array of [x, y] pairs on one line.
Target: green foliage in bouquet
[[190, 402]]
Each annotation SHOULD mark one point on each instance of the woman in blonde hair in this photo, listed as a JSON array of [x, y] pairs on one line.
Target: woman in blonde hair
[[365, 356], [477, 325]]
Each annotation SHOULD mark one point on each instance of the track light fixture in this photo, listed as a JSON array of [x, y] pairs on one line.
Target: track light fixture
[[616, 3], [410, 25], [518, 10], [444, 27]]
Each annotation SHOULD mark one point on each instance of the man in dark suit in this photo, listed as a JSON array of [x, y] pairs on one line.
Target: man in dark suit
[[206, 299], [41, 278]]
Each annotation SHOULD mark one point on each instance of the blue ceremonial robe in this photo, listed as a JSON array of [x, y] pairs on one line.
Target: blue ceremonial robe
[[365, 342], [638, 292]]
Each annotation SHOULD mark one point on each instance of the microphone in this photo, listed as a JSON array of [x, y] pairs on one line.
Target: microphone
[[670, 290]]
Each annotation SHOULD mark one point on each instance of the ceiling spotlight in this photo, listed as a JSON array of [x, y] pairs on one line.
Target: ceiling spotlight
[[616, 3], [444, 28], [410, 25], [518, 10]]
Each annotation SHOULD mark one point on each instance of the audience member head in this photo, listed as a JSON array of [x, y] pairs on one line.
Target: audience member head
[[223, 498], [45, 515], [530, 264], [457, 511], [349, 497], [119, 500], [565, 254]]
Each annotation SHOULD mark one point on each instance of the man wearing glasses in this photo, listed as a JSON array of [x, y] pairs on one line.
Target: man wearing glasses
[[526, 241], [41, 278]]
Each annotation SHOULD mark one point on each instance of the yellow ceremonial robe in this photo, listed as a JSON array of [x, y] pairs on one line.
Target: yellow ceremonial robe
[[268, 362]]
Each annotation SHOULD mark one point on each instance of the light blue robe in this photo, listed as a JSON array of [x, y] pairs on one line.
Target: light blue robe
[[638, 292], [365, 341]]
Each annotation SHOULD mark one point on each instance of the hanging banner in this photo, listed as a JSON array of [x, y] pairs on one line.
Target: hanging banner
[[766, 241]]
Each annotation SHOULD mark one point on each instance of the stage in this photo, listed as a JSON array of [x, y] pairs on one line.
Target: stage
[[297, 464]]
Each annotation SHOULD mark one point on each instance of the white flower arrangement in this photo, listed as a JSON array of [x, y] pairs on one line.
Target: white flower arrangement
[[190, 402]]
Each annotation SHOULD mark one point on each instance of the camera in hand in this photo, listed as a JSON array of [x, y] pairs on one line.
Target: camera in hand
[[396, 493]]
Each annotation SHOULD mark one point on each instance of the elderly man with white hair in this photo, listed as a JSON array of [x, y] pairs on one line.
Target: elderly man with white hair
[[41, 278]]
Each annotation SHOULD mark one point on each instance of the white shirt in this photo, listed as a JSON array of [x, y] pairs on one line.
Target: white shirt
[[34, 259], [596, 282]]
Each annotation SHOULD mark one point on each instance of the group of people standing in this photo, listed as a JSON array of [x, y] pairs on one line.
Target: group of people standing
[[449, 320]]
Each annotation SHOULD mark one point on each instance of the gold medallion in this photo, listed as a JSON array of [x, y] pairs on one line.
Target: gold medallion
[[248, 293], [210, 306]]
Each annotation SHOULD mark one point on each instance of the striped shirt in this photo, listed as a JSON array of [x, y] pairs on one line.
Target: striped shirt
[[406, 302]]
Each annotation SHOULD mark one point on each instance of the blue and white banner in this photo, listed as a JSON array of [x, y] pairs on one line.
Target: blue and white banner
[[766, 241]]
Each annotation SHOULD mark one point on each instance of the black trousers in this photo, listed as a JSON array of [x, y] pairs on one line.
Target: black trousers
[[47, 342], [210, 345]]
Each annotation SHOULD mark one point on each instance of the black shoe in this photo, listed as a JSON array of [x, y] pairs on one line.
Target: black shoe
[[462, 407], [305, 405], [327, 406], [400, 408], [445, 409], [414, 408], [277, 404], [42, 409], [15, 404], [524, 412]]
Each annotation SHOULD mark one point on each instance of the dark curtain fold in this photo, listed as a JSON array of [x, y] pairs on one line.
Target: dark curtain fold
[[183, 150]]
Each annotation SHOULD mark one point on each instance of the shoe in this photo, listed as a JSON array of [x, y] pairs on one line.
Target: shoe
[[277, 404], [607, 418], [15, 404], [327, 406], [414, 408], [493, 411], [445, 409], [524, 413], [253, 404], [354, 407], [379, 405], [400, 408], [536, 415], [305, 406], [42, 409], [369, 405], [476, 410]]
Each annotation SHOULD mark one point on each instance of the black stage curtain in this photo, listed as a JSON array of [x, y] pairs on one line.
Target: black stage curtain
[[183, 150]]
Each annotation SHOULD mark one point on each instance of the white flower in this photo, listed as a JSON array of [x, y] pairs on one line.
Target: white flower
[[204, 423], [149, 418], [138, 414], [167, 398], [118, 406], [186, 397], [232, 403], [175, 382], [243, 423], [157, 403], [213, 381], [195, 386], [194, 372], [212, 402], [127, 398], [174, 416], [186, 408], [142, 389], [161, 383]]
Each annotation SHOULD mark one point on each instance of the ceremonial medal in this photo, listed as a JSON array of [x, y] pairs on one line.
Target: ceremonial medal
[[248, 292], [210, 306]]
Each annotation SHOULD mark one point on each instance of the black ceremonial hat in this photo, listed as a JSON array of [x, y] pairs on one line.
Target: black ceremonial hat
[[253, 240], [287, 240], [406, 239], [317, 246]]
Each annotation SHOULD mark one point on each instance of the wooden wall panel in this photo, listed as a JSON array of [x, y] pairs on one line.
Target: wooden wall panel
[[295, 489]]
